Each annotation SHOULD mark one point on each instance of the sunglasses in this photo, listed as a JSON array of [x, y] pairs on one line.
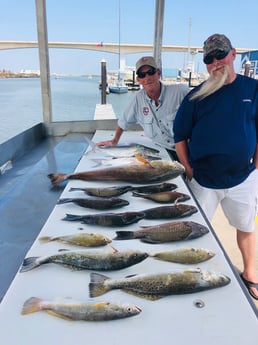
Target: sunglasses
[[218, 55], [151, 71]]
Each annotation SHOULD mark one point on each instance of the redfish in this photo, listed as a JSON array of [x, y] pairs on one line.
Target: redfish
[[154, 171]]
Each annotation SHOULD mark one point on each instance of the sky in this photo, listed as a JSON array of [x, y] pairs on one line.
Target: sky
[[187, 22]]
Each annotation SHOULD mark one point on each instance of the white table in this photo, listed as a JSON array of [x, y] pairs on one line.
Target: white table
[[227, 318]]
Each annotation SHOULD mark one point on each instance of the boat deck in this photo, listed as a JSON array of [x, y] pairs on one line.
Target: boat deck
[[27, 197]]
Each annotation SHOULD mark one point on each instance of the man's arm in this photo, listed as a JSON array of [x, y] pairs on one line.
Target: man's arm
[[114, 141]]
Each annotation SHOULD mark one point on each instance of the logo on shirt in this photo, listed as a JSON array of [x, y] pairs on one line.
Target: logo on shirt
[[146, 110]]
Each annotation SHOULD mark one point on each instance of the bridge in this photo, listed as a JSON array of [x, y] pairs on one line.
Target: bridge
[[125, 48]]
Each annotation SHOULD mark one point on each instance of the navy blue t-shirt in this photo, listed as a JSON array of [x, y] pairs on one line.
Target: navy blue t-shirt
[[221, 131]]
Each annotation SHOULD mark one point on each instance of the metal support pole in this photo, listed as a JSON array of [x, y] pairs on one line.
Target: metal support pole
[[103, 82], [159, 17], [44, 60], [247, 68]]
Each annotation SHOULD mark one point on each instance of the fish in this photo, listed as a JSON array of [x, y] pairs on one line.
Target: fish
[[105, 192], [156, 286], [113, 161], [164, 197], [166, 232], [170, 212], [154, 171], [96, 203], [185, 255], [120, 150], [83, 260], [163, 187], [82, 239], [107, 219], [69, 309]]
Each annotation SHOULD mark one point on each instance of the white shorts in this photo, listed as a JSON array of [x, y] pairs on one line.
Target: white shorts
[[239, 203]]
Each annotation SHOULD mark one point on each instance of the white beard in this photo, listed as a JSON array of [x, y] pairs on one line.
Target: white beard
[[213, 83]]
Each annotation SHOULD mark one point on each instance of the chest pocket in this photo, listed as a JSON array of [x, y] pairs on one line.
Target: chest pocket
[[150, 126]]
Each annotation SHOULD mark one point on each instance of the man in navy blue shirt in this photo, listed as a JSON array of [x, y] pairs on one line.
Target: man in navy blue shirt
[[216, 135]]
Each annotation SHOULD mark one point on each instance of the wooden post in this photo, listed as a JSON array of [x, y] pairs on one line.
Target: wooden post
[[103, 82]]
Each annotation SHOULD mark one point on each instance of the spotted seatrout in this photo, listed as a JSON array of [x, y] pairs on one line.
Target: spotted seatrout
[[69, 309], [85, 260], [156, 286], [185, 255], [166, 232]]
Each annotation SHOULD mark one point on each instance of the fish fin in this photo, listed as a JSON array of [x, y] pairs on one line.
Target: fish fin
[[100, 305], [52, 313], [141, 159], [124, 235], [58, 178], [45, 239], [144, 295], [136, 194], [32, 305], [73, 189], [149, 240], [72, 217], [64, 201], [96, 285], [114, 250], [29, 263]]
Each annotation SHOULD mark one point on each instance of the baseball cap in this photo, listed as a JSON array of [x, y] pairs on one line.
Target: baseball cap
[[145, 61], [216, 42]]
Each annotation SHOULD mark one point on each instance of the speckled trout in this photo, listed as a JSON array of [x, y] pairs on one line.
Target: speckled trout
[[85, 260], [70, 309], [156, 286]]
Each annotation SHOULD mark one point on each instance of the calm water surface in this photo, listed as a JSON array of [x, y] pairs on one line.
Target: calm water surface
[[73, 99]]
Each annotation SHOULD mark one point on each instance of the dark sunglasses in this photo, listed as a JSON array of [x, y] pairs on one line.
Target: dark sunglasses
[[151, 71], [218, 55]]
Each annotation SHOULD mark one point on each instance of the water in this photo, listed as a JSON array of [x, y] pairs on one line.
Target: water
[[73, 99]]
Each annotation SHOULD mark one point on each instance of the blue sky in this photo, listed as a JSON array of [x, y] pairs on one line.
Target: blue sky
[[97, 20]]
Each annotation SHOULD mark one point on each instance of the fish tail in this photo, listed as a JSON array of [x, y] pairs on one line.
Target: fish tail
[[29, 263], [72, 189], [136, 194], [64, 201], [58, 178], [97, 285], [124, 235], [32, 305], [72, 217], [45, 239]]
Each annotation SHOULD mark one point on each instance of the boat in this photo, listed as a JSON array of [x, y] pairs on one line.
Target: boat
[[118, 86]]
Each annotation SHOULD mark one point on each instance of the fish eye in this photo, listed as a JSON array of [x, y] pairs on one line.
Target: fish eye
[[129, 309]]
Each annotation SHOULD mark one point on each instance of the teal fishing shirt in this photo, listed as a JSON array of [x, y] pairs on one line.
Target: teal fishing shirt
[[222, 133], [156, 121]]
